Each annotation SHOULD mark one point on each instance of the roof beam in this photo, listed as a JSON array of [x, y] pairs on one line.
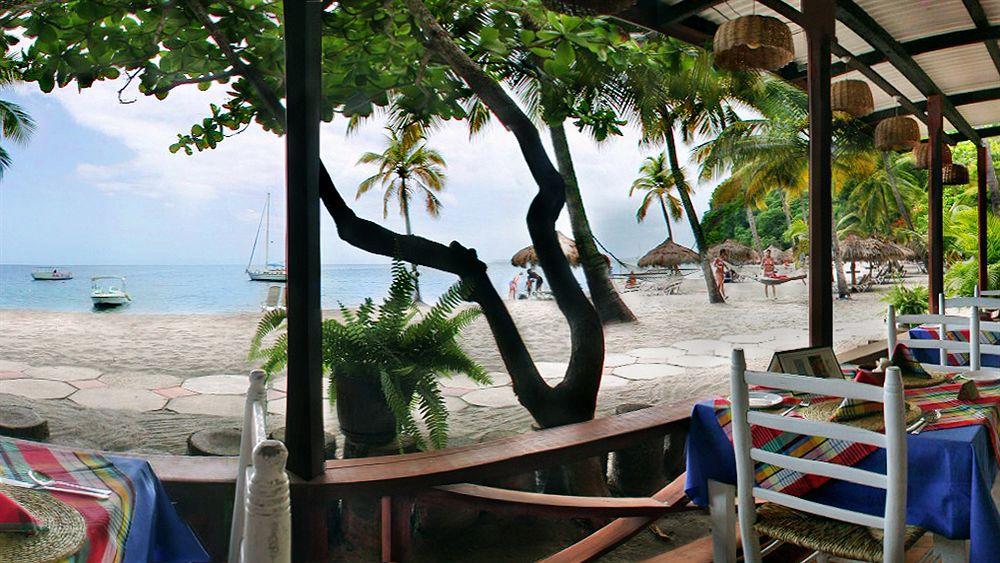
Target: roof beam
[[979, 17], [652, 15], [989, 34], [854, 17], [682, 10], [960, 99]]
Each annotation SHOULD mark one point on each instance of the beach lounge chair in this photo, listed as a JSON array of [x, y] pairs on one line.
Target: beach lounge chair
[[825, 529], [273, 300], [262, 522]]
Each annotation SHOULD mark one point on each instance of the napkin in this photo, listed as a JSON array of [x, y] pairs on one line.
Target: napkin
[[968, 391], [870, 377], [902, 357], [850, 409], [16, 519]]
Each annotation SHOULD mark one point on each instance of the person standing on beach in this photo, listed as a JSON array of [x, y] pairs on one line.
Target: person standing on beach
[[537, 279], [720, 266], [767, 265], [513, 286]]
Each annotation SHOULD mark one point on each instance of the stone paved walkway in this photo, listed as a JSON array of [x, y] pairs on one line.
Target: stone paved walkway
[[223, 394]]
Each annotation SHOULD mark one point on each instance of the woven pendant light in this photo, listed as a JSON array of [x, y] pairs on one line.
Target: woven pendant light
[[954, 175], [897, 134], [922, 155], [753, 42], [852, 97], [588, 7]]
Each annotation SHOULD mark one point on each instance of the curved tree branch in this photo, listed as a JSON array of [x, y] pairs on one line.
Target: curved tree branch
[[579, 388]]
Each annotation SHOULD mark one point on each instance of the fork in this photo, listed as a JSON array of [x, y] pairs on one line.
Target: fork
[[803, 403]]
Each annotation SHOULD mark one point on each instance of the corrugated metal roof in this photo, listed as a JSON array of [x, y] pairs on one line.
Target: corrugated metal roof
[[960, 69], [983, 113]]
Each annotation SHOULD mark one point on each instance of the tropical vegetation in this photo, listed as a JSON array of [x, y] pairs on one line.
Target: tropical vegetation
[[15, 123], [398, 351]]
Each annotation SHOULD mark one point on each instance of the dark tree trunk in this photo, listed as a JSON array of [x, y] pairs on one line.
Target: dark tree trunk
[[699, 236], [900, 205], [666, 218], [595, 266]]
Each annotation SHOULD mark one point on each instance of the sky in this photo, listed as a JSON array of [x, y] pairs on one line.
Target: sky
[[97, 185]]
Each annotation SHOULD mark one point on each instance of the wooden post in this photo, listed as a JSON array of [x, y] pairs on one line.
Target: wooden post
[[304, 418], [818, 22], [983, 203], [935, 205]]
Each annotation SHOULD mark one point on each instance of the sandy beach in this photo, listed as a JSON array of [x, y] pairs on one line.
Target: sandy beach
[[147, 354]]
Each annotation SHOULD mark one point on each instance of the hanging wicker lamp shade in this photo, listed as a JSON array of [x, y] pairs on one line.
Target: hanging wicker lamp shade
[[588, 7], [753, 42], [897, 134], [954, 175], [922, 155], [852, 97]]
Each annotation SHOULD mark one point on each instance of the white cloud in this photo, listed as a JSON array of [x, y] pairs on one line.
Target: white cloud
[[487, 196]]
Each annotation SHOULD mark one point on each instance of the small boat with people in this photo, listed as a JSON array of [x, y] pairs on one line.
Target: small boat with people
[[109, 291], [51, 274]]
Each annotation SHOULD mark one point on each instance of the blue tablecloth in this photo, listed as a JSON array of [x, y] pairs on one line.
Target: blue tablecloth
[[949, 476], [929, 356], [157, 533]]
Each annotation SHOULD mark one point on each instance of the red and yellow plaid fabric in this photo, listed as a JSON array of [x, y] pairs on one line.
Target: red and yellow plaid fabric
[[954, 413], [107, 521]]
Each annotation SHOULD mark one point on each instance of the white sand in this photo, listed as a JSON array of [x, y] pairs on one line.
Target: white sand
[[194, 345]]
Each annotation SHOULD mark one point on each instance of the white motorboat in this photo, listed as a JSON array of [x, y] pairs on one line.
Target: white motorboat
[[270, 272], [54, 274], [109, 291]]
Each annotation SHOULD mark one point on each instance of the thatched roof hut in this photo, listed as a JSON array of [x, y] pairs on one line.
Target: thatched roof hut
[[857, 249], [669, 254], [526, 256], [738, 253]]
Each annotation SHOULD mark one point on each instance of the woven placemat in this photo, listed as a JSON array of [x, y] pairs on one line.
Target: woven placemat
[[66, 531], [917, 382], [822, 412]]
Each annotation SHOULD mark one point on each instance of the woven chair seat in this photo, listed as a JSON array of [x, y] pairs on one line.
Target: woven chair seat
[[825, 535]]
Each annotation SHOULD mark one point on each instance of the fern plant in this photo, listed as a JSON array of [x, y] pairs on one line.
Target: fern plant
[[393, 344], [907, 300]]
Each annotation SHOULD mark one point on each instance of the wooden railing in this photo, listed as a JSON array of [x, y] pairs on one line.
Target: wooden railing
[[200, 485]]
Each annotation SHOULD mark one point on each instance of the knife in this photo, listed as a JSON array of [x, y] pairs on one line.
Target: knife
[[26, 485]]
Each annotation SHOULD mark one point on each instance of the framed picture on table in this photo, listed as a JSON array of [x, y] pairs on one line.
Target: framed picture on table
[[819, 361]]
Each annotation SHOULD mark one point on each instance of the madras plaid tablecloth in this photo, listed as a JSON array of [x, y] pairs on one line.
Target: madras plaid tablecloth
[[137, 523], [928, 332], [954, 413]]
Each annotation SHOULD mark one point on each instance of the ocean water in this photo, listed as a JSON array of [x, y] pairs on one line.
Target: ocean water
[[210, 289]]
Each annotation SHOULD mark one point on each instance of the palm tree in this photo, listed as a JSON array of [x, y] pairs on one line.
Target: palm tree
[[407, 169], [15, 123], [657, 181]]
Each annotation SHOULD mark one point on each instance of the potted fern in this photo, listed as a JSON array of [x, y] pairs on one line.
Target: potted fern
[[384, 361]]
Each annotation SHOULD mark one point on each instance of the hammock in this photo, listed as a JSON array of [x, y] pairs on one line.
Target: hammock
[[779, 281]]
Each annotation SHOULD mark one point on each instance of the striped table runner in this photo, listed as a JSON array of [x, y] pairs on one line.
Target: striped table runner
[[954, 413], [107, 521]]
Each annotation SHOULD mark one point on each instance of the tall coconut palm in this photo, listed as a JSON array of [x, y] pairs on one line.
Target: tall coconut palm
[[15, 123], [657, 182], [407, 169]]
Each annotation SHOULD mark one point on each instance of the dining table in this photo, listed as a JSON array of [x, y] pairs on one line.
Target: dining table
[[952, 465], [932, 356], [137, 523]]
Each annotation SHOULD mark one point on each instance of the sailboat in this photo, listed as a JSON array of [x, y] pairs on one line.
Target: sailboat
[[270, 272]]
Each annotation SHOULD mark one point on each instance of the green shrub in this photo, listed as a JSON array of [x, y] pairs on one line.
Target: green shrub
[[907, 300]]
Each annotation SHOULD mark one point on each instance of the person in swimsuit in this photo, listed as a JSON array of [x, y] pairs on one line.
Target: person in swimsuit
[[720, 265], [535, 279], [513, 286], [767, 265]]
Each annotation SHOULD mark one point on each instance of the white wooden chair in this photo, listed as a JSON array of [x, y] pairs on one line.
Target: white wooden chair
[[262, 524], [980, 301], [898, 323], [893, 523]]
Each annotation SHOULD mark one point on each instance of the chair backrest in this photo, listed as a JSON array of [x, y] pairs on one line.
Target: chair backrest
[[273, 297], [893, 441], [942, 324], [262, 525], [980, 301]]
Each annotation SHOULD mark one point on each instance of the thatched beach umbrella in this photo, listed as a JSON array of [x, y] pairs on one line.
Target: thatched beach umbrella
[[738, 253], [526, 256], [669, 254], [857, 249]]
